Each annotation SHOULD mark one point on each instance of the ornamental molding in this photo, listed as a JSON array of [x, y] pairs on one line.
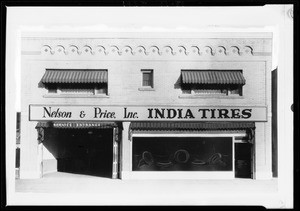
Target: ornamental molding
[[152, 50]]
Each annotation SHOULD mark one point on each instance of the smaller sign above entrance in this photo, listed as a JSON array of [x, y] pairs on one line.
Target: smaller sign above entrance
[[146, 113]]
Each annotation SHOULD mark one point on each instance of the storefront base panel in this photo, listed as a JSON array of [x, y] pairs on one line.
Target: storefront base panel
[[178, 175], [29, 174], [49, 166], [263, 175]]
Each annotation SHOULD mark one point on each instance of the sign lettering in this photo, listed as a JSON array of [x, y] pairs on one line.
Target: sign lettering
[[147, 113]]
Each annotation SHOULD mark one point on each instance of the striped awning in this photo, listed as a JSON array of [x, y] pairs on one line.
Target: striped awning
[[191, 126], [74, 76], [212, 77], [61, 124]]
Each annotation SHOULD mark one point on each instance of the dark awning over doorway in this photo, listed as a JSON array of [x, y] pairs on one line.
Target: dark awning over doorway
[[74, 76], [212, 77], [191, 126]]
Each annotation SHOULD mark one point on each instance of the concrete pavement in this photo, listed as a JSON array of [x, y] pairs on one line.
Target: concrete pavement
[[64, 188]]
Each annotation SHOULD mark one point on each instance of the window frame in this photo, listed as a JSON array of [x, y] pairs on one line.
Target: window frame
[[223, 90], [151, 74], [57, 89]]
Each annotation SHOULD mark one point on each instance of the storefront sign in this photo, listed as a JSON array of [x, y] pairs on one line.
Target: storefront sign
[[147, 113], [76, 124]]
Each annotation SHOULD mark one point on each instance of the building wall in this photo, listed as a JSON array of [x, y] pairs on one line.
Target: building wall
[[125, 80], [124, 58]]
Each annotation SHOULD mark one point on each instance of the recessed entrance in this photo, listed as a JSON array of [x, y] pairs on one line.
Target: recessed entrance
[[82, 151], [243, 161]]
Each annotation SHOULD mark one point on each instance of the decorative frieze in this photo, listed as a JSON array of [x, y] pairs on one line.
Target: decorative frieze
[[167, 50]]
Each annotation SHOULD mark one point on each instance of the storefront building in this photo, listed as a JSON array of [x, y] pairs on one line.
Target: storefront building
[[158, 106]]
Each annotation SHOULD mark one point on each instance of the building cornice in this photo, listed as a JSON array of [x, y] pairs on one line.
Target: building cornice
[[233, 33], [146, 48]]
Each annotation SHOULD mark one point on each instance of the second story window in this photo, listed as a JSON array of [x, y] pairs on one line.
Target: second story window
[[147, 78], [70, 82], [212, 82]]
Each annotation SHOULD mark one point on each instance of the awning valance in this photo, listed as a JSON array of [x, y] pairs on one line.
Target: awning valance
[[191, 126], [212, 77], [74, 76], [101, 125]]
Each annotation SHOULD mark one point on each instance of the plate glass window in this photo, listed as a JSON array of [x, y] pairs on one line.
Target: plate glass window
[[182, 154]]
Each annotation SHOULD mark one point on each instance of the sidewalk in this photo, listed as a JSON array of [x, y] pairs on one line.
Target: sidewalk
[[64, 188]]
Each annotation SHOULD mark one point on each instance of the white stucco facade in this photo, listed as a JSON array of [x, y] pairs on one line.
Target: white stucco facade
[[124, 58]]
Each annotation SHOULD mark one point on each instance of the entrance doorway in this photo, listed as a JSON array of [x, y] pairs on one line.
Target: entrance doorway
[[85, 151], [243, 160]]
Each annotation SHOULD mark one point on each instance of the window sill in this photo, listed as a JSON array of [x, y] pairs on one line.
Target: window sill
[[191, 96], [74, 96], [146, 89]]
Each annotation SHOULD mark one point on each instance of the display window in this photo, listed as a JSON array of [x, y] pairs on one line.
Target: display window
[[182, 154]]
